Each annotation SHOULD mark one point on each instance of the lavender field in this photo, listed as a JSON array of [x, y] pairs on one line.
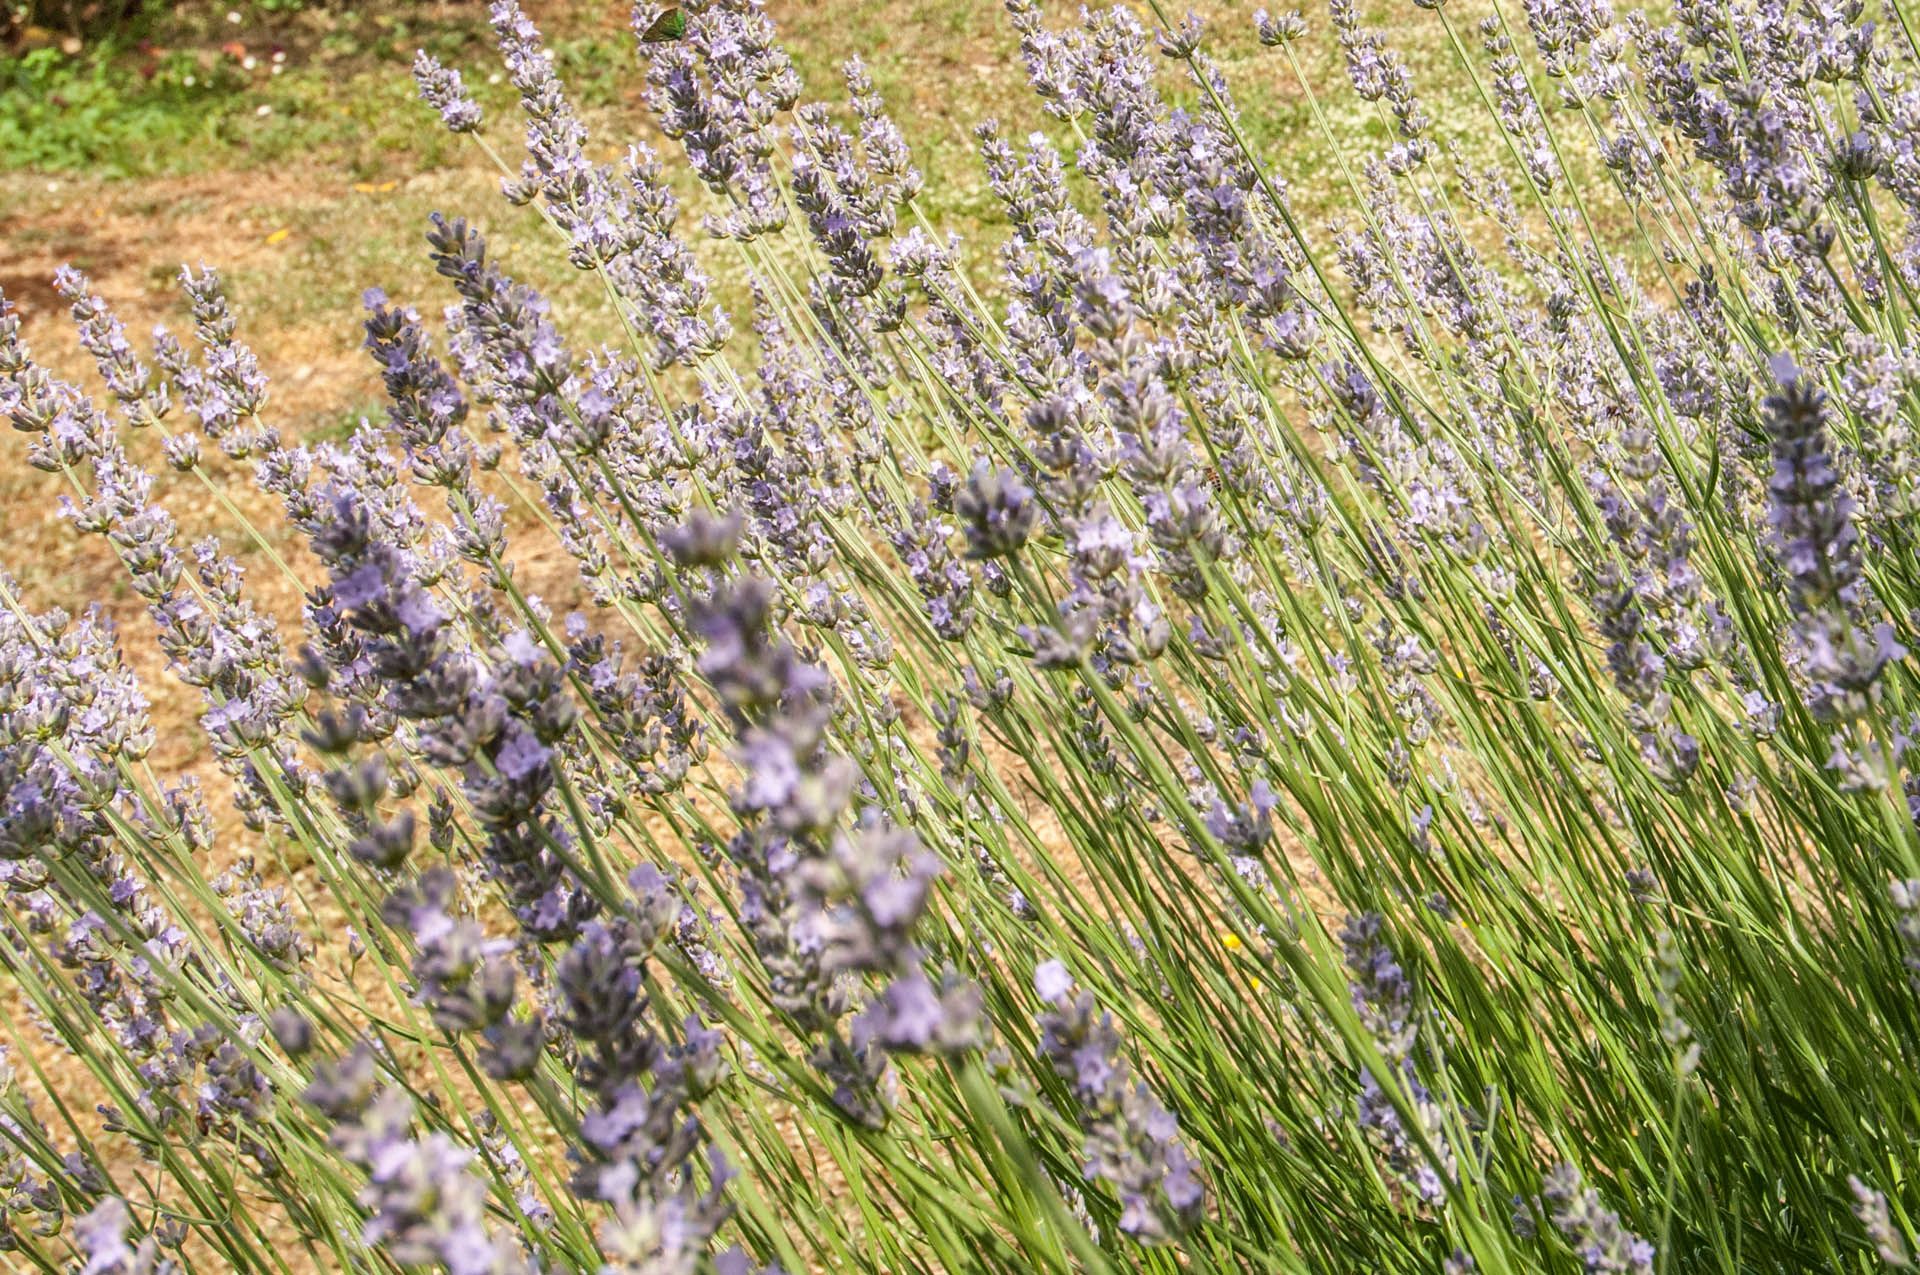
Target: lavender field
[[1183, 687]]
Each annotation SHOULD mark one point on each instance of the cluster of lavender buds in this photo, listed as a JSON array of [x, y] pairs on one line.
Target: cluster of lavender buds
[[1383, 1000], [619, 223], [1132, 1141], [31, 1200], [642, 1137], [718, 91], [825, 902], [1602, 1245], [443, 89], [104, 1240], [424, 1201], [71, 715], [226, 391], [463, 978], [210, 632], [495, 718], [1870, 1206], [1812, 519]]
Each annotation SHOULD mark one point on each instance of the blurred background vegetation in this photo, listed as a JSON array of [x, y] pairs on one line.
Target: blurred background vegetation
[[141, 88]]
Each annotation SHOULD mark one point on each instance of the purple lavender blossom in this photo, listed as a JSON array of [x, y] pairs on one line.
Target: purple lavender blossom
[[618, 222], [104, 1240], [820, 901], [1131, 1141], [464, 979], [498, 718], [1870, 1206], [718, 91], [1813, 536], [143, 396], [1383, 999], [442, 89], [423, 1200], [69, 712], [643, 1133], [1602, 1244], [997, 512], [227, 392]]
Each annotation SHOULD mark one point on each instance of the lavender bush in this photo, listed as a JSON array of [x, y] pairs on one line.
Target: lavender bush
[[1205, 743]]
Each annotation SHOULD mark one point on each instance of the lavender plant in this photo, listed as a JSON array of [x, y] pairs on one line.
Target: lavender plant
[[1441, 685]]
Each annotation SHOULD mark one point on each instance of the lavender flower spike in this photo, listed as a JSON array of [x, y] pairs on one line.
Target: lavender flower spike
[[1870, 1206], [425, 1203], [1813, 535], [442, 88], [1383, 998], [103, 1238], [1603, 1245], [1131, 1142]]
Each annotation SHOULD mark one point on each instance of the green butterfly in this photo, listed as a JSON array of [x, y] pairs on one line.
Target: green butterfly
[[670, 25]]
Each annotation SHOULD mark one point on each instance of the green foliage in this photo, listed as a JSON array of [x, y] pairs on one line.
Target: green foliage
[[115, 112], [63, 114]]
